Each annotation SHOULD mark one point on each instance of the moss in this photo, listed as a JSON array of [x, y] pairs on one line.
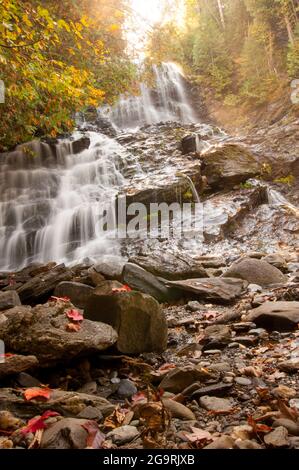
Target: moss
[[288, 180]]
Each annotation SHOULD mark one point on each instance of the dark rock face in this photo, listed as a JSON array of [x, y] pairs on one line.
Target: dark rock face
[[169, 266], [81, 144], [9, 299], [255, 272], [279, 316], [40, 286], [16, 364], [228, 166], [180, 378], [216, 289], [43, 331], [141, 280], [137, 318], [189, 144], [77, 293]]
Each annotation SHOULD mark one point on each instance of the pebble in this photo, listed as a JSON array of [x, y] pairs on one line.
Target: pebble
[[212, 352], [178, 410], [123, 435], [277, 438], [216, 404], [243, 381], [291, 426], [126, 389], [223, 442]]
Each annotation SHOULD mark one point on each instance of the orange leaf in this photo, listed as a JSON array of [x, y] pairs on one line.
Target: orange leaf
[[73, 327], [124, 288], [33, 393], [74, 315]]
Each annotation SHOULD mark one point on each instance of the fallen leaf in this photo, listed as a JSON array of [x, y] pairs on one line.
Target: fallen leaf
[[35, 424], [116, 419], [95, 437], [74, 315], [124, 288], [139, 397], [257, 427], [73, 327], [35, 444], [37, 393], [60, 299]]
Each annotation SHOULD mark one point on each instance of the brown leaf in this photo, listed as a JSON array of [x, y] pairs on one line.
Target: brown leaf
[[96, 438]]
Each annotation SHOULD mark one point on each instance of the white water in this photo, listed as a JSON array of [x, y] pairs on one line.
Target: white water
[[275, 198], [168, 101]]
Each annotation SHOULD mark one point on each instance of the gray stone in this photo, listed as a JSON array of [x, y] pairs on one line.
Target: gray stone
[[194, 306], [9, 299], [126, 389], [111, 270], [243, 381], [223, 442], [42, 331], [213, 289], [180, 378], [255, 271], [217, 390], [290, 366], [291, 426], [123, 435], [277, 438], [178, 410], [26, 380], [141, 280], [91, 413], [280, 316], [76, 292], [216, 404], [137, 318]]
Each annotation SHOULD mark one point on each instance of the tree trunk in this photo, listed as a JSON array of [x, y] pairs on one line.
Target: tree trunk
[[289, 29], [220, 8]]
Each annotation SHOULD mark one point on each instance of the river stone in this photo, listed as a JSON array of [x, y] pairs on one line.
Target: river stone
[[216, 404], [217, 336], [276, 260], [65, 403], [255, 271], [67, 433], [9, 299], [123, 435], [178, 410], [277, 438], [217, 289], [189, 144], [81, 144], [169, 266], [219, 390], [141, 280], [279, 316], [76, 292], [41, 331], [290, 366], [180, 378], [43, 285], [137, 318], [223, 442], [126, 389], [16, 364], [291, 426], [111, 270]]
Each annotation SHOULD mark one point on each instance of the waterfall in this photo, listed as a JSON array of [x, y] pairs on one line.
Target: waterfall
[[51, 200], [166, 101], [275, 198]]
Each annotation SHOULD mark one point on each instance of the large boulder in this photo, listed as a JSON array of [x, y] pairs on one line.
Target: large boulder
[[279, 316], [42, 285], [255, 271], [77, 293], [169, 266], [67, 433], [229, 165], [9, 300], [15, 364], [141, 280], [137, 318], [213, 289], [81, 144], [44, 332], [111, 269], [189, 143]]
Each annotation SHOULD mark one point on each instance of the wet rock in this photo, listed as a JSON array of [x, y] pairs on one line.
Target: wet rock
[[42, 286], [223, 442], [67, 433], [76, 292], [216, 404], [255, 272], [277, 438], [81, 144], [126, 389], [213, 289], [277, 260], [280, 316], [41, 331], [291, 426], [180, 378], [178, 410], [123, 435], [216, 390], [229, 165], [137, 318], [65, 403], [169, 266], [9, 299], [16, 364], [141, 280], [111, 270], [189, 144]]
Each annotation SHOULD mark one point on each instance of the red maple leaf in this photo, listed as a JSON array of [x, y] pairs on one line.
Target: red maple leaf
[[35, 424], [74, 315], [59, 299], [124, 288]]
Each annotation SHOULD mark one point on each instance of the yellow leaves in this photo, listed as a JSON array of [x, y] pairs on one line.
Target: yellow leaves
[[85, 21], [114, 27], [64, 25]]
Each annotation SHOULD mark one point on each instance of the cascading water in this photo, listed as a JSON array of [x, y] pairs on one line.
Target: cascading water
[[167, 101]]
